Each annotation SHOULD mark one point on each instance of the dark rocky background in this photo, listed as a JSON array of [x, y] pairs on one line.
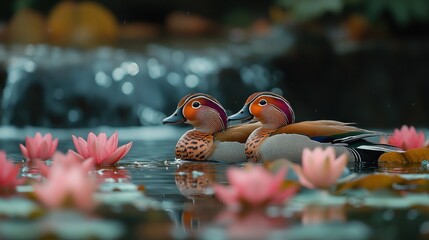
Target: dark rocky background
[[354, 61]]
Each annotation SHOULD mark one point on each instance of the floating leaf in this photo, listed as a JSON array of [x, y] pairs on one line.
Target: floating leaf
[[385, 181], [414, 185], [411, 156], [372, 182]]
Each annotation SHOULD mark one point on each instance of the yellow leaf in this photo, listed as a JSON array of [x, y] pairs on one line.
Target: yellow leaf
[[411, 156], [372, 182]]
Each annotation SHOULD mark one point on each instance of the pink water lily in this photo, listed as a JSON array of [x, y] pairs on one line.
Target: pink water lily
[[67, 185], [320, 168], [103, 150], [40, 147], [406, 138], [8, 174], [64, 160], [254, 186]]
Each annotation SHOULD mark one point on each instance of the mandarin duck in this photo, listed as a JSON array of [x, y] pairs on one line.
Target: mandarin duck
[[280, 137], [210, 140]]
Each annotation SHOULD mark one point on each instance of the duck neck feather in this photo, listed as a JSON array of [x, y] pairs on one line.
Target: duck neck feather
[[254, 141], [273, 119], [209, 122], [195, 145]]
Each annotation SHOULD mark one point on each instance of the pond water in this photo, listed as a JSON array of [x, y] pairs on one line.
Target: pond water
[[181, 206]]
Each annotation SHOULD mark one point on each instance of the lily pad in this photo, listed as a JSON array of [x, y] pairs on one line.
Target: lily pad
[[372, 182], [411, 156]]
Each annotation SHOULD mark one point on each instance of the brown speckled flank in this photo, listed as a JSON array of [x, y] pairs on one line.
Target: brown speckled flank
[[254, 142], [195, 145]]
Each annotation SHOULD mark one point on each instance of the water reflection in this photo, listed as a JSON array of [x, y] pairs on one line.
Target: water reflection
[[193, 179], [199, 213], [62, 225], [253, 224], [314, 214], [183, 189], [113, 174], [401, 168], [104, 174]]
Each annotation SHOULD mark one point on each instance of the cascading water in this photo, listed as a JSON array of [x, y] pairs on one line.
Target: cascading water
[[56, 87]]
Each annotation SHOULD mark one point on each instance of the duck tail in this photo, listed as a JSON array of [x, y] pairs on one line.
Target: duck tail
[[381, 148], [368, 153]]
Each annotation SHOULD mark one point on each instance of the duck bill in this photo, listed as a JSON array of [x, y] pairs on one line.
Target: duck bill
[[175, 118], [244, 115]]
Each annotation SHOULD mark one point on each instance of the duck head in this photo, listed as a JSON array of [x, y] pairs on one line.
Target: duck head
[[200, 110], [271, 109]]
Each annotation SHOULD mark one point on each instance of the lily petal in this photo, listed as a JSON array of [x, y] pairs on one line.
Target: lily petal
[[337, 167], [112, 143], [284, 195], [76, 155], [95, 150], [127, 147], [302, 179], [47, 138], [80, 145], [43, 151], [38, 139], [114, 157], [54, 146], [226, 195], [102, 137], [31, 148], [24, 150]]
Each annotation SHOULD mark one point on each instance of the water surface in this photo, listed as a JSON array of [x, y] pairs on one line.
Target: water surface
[[188, 210]]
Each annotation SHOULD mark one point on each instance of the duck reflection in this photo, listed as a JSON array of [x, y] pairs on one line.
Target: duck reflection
[[194, 181], [198, 213], [314, 214]]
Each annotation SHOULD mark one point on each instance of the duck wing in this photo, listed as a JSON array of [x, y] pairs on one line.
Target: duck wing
[[328, 131], [341, 134], [237, 133]]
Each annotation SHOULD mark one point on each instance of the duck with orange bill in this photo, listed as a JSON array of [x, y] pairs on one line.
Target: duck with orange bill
[[280, 137], [211, 139]]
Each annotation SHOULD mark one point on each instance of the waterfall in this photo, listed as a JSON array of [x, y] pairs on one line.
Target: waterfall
[[63, 87]]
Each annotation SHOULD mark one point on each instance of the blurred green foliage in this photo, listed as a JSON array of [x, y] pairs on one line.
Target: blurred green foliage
[[304, 10], [21, 4], [402, 11]]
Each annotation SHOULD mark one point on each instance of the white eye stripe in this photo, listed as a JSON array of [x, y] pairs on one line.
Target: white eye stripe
[[211, 100]]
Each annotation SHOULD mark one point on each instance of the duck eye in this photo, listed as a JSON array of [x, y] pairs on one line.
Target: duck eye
[[196, 104], [262, 102]]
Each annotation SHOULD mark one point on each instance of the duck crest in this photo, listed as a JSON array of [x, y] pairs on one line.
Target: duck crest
[[254, 142], [195, 145]]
